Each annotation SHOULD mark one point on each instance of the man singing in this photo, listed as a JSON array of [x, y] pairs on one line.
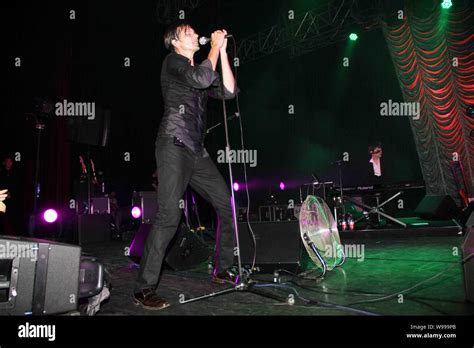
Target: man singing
[[181, 157]]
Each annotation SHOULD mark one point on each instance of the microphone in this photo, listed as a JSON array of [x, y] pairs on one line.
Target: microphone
[[205, 40]]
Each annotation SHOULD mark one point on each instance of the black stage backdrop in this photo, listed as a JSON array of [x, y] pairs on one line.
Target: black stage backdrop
[[335, 109]]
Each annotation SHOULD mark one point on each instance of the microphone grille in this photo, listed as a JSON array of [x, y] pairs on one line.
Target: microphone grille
[[203, 40]]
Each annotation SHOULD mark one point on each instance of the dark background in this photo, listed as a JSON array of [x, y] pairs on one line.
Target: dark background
[[336, 109]]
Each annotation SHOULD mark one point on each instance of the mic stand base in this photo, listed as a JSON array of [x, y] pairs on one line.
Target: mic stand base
[[247, 285]]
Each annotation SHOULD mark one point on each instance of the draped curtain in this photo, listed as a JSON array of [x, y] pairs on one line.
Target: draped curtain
[[56, 178], [433, 53]]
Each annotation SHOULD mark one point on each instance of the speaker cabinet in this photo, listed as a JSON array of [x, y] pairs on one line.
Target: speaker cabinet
[[278, 245], [100, 205], [93, 229], [185, 251], [38, 277], [468, 252], [437, 207]]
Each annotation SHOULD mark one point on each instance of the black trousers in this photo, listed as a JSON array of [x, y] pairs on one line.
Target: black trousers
[[179, 167]]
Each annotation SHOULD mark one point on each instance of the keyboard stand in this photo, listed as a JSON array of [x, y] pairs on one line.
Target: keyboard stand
[[376, 209]]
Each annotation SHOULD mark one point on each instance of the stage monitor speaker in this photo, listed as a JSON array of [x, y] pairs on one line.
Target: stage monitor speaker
[[437, 207], [185, 251], [93, 229], [466, 217], [91, 277], [38, 277], [468, 252], [279, 245]]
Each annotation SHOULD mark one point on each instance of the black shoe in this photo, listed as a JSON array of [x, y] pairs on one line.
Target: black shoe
[[148, 299]]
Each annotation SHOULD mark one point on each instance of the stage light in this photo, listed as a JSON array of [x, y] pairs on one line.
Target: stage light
[[136, 212], [282, 185], [50, 216], [353, 36], [446, 4], [236, 186]]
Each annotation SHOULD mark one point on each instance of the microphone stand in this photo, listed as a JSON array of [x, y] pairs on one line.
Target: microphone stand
[[243, 282], [228, 119], [37, 187], [341, 197]]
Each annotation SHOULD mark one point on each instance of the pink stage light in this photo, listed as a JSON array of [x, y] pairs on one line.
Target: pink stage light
[[136, 212], [50, 216]]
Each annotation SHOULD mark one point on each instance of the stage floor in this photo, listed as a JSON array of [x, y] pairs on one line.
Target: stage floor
[[390, 266]]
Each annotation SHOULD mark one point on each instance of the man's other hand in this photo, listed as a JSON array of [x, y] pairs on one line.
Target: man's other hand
[[218, 38]]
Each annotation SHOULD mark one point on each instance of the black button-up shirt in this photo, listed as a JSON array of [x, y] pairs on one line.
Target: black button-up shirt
[[185, 91]]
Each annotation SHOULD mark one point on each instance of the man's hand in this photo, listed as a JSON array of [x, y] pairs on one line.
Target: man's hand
[[218, 39], [3, 195], [227, 75], [224, 45], [217, 42]]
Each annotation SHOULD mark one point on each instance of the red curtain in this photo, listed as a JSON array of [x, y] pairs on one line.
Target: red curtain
[[433, 54], [56, 180]]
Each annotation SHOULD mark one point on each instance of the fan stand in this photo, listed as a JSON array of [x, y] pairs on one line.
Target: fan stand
[[315, 250], [312, 246]]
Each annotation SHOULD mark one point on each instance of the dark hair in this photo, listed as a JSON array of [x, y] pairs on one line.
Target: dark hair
[[374, 145], [172, 32]]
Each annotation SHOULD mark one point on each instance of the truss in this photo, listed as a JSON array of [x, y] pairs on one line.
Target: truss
[[313, 29]]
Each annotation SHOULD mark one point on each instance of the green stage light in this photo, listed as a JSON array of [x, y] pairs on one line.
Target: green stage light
[[446, 4], [353, 36]]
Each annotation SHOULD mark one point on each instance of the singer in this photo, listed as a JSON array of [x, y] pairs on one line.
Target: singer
[[182, 159]]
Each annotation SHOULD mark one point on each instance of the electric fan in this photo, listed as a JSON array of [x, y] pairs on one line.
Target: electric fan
[[320, 235]]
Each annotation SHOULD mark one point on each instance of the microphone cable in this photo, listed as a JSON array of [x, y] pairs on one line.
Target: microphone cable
[[244, 164]]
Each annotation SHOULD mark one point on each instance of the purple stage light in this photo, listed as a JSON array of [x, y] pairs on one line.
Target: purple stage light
[[50, 216], [282, 185], [236, 186], [136, 212]]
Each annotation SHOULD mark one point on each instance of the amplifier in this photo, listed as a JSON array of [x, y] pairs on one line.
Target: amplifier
[[92, 229], [278, 245], [100, 205], [279, 212]]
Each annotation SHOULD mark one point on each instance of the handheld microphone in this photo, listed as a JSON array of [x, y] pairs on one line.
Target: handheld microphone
[[205, 40]]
